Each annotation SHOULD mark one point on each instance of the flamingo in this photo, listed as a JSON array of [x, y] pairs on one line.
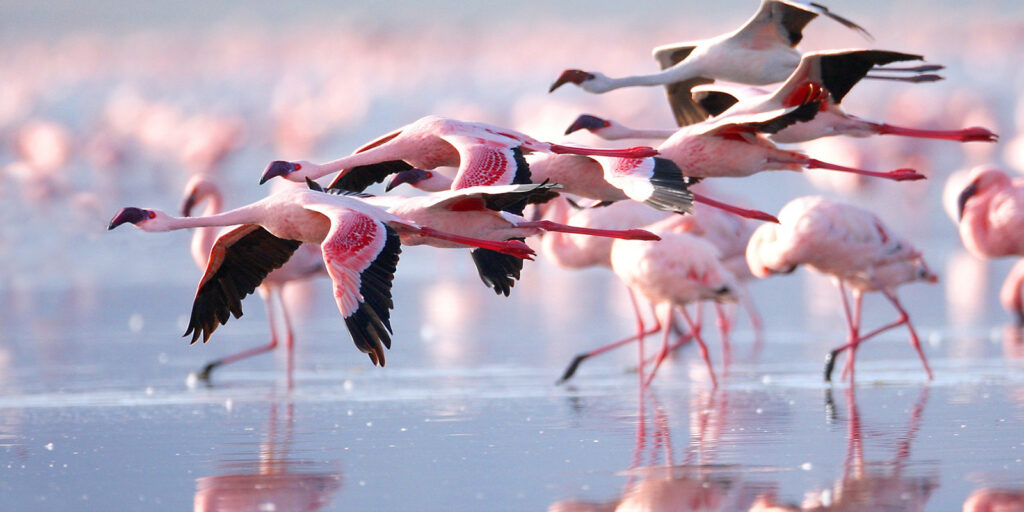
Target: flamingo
[[359, 243], [304, 263], [991, 213], [837, 71], [760, 52], [678, 270], [851, 245], [477, 212], [733, 146], [484, 154]]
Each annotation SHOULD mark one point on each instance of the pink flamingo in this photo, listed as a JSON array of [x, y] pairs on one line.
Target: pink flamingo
[[484, 154], [304, 263], [991, 212], [734, 146], [359, 243], [679, 270], [760, 52], [854, 247], [837, 71]]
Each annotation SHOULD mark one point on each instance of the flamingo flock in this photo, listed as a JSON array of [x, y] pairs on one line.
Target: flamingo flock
[[648, 214]]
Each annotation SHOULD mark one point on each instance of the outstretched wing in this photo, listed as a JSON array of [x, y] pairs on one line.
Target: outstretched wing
[[361, 255], [657, 182], [497, 198], [771, 121], [487, 163], [684, 108], [784, 21], [358, 178], [238, 263]]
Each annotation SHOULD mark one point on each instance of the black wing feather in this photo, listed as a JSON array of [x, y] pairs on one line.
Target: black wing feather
[[497, 270], [840, 72], [246, 263], [670, 192], [360, 177], [370, 325]]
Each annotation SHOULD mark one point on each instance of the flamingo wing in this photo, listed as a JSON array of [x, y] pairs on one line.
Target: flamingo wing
[[771, 121], [358, 178], [684, 108], [361, 255], [497, 198], [239, 261], [783, 21], [484, 162], [840, 71], [658, 182]]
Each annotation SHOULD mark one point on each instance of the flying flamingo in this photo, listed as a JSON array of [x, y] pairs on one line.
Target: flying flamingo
[[484, 154], [359, 243], [304, 263], [678, 270], [734, 146], [478, 212], [852, 246], [991, 212], [760, 52]]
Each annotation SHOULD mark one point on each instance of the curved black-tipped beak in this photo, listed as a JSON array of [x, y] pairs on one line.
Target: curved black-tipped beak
[[587, 122], [961, 201], [129, 214], [188, 204], [575, 76], [412, 177], [277, 168]]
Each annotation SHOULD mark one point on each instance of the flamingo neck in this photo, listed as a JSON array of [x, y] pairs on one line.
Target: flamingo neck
[[244, 215], [386, 151], [204, 238]]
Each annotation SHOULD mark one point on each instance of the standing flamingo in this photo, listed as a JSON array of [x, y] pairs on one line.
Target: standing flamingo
[[852, 246], [991, 211], [760, 52], [484, 154], [304, 263], [359, 243]]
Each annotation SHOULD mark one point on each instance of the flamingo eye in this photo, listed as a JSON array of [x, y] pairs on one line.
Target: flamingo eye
[[430, 174], [606, 124], [298, 167], [152, 215]]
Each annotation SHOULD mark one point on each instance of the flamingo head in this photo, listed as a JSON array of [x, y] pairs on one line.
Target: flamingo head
[[294, 171], [146, 220], [983, 179], [428, 181], [197, 190], [576, 76], [589, 123]]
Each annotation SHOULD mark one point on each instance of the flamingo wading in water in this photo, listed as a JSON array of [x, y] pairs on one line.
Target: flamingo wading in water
[[359, 243], [851, 245]]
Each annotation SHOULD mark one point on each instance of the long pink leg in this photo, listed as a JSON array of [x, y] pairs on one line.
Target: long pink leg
[[914, 341], [897, 175], [640, 335], [204, 374], [742, 212], [702, 345], [511, 247], [972, 134], [724, 328], [625, 234], [633, 152], [851, 357], [681, 340], [755, 322], [669, 318], [289, 336], [853, 329], [1010, 292]]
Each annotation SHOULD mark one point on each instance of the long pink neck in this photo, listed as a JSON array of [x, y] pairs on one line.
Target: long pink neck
[[384, 152], [245, 215], [204, 238], [1010, 294]]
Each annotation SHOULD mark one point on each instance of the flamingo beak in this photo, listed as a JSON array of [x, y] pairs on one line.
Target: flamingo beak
[[412, 177], [575, 76], [277, 168], [961, 201], [587, 122], [188, 204], [129, 214]]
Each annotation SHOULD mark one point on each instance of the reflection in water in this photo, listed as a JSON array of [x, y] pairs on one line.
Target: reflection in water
[[995, 500], [876, 485], [272, 481]]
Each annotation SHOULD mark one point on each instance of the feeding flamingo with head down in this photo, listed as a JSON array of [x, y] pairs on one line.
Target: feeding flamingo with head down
[[991, 214], [852, 246], [359, 244], [760, 52], [306, 262]]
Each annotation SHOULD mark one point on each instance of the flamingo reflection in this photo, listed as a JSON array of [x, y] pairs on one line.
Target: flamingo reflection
[[273, 480]]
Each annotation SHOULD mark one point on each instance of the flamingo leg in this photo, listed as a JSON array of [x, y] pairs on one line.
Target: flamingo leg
[[681, 340], [634, 152], [703, 347], [289, 336], [852, 356], [625, 234], [972, 134], [640, 335], [724, 328], [512, 247], [755, 322], [742, 212], [914, 340], [669, 318], [204, 374], [897, 175]]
